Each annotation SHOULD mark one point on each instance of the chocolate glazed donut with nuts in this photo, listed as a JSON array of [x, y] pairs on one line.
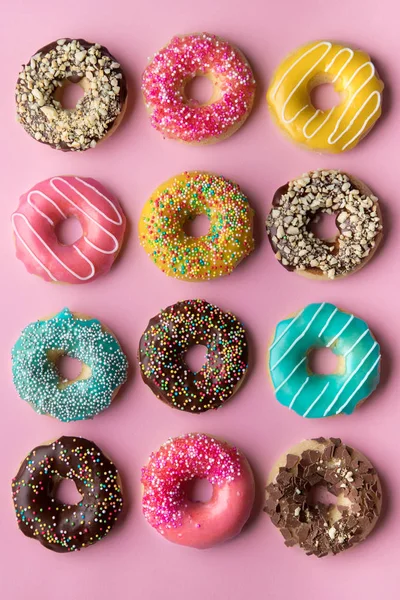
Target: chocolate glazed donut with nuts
[[95, 117], [318, 528], [298, 204]]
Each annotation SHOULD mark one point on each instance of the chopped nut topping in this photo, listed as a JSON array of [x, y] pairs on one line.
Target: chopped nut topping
[[302, 199], [43, 116]]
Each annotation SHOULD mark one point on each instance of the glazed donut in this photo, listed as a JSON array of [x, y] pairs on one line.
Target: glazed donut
[[178, 117], [181, 199], [50, 202], [318, 528], [313, 395], [38, 380], [166, 504], [300, 202], [63, 527], [96, 116], [353, 76], [167, 338]]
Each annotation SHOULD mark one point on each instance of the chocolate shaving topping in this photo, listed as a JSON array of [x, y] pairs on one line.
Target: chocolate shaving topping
[[299, 203], [322, 529]]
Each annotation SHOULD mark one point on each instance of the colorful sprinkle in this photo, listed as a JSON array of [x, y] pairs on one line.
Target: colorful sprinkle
[[181, 199], [165, 342], [178, 461], [61, 527], [185, 57]]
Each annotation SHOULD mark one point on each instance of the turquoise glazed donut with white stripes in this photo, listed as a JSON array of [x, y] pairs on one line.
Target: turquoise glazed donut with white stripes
[[313, 395]]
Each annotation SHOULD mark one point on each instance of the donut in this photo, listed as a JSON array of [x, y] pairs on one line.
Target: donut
[[300, 202], [38, 380], [167, 338], [183, 198], [166, 503], [64, 527], [178, 117], [50, 202], [313, 395], [96, 115], [321, 529], [353, 76]]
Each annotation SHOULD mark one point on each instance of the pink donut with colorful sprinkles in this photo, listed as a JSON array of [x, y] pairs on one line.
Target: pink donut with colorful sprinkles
[[166, 504], [50, 202], [178, 117]]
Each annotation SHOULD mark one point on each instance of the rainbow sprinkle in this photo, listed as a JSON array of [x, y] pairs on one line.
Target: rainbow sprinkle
[[181, 199]]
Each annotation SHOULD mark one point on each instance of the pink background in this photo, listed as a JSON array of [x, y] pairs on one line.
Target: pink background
[[135, 562]]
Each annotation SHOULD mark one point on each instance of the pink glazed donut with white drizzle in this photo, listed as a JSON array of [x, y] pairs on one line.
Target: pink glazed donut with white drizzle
[[167, 506], [50, 202], [180, 117]]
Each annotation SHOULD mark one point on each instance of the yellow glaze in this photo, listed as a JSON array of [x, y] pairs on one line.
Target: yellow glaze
[[353, 76], [181, 199]]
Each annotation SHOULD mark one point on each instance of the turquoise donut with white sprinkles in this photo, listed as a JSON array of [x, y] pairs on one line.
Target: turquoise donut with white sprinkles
[[314, 395], [38, 380]]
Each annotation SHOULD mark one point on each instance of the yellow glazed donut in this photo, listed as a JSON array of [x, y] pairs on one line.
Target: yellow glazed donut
[[353, 76], [181, 199]]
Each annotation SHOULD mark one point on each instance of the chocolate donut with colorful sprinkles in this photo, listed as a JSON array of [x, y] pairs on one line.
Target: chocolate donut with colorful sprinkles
[[63, 527], [167, 338]]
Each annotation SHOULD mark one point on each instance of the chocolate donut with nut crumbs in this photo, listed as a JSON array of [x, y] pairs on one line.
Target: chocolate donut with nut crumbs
[[96, 115], [167, 338], [63, 527], [300, 202], [321, 529]]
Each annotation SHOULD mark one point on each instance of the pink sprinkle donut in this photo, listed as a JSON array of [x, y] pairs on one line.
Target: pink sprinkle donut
[[166, 505], [45, 206], [185, 57]]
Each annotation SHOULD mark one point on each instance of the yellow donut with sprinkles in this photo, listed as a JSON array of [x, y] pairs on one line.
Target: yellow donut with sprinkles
[[181, 199], [353, 76]]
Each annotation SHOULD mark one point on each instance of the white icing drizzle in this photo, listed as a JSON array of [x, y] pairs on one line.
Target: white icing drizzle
[[53, 183], [332, 404], [359, 385], [292, 322], [316, 400], [290, 374], [345, 326], [302, 334], [331, 138], [297, 394], [333, 313]]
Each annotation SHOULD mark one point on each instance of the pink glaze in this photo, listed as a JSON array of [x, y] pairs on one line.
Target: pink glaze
[[185, 57], [47, 204], [197, 524]]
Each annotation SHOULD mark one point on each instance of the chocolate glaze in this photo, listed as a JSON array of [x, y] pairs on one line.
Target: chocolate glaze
[[57, 526], [343, 471], [123, 93], [162, 351]]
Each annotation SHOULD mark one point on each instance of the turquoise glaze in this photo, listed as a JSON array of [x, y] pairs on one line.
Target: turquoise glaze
[[37, 379], [313, 395]]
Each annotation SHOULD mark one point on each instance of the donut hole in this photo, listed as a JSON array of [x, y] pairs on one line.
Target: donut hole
[[70, 92], [69, 231], [324, 96], [319, 494], [196, 357], [323, 361], [324, 227], [69, 369], [197, 226], [67, 492], [199, 90], [199, 490]]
